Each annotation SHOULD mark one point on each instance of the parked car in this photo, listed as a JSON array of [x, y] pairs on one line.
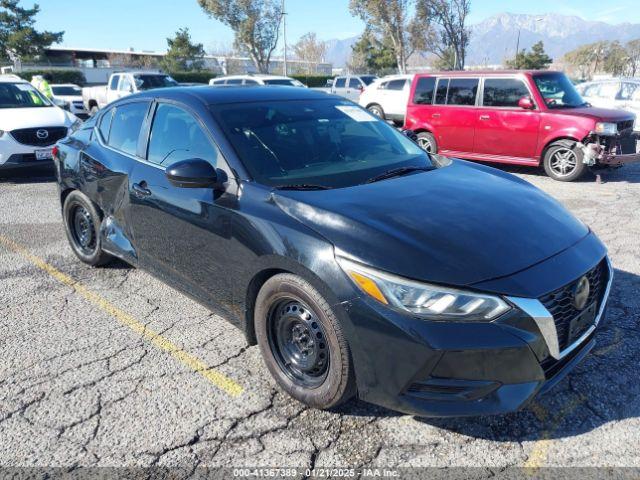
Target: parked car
[[122, 85], [256, 80], [69, 97], [351, 86], [387, 97], [358, 263], [524, 118], [29, 124], [623, 94]]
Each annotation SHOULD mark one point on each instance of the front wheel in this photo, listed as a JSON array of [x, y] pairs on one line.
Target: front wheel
[[564, 162], [82, 226], [376, 110], [427, 142], [302, 342]]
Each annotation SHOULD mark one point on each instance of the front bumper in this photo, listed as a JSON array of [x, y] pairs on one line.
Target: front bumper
[[612, 151], [14, 155], [444, 369]]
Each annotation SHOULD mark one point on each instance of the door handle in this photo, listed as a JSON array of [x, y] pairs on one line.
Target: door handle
[[140, 190], [435, 115], [484, 117]]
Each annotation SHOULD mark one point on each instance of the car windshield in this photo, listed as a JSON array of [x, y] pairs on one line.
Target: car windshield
[[67, 91], [149, 82], [558, 91], [328, 143], [283, 81], [21, 95], [368, 79]]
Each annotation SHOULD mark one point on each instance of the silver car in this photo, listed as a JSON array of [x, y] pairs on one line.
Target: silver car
[[351, 86], [618, 93]]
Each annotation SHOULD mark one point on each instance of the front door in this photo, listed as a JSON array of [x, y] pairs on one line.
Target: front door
[[503, 129], [182, 234]]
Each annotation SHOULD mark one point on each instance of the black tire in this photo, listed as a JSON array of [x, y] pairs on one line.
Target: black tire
[[288, 310], [427, 142], [563, 161], [377, 110], [82, 226]]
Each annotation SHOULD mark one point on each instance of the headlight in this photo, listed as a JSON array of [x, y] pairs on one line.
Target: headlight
[[605, 128], [422, 299]]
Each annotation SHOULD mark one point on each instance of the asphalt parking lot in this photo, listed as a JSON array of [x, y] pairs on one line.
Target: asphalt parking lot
[[110, 367]]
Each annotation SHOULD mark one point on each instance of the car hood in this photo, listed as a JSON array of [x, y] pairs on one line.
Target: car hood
[[15, 118], [599, 114], [457, 225]]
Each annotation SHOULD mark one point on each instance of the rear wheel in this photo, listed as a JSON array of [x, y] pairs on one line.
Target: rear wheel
[[427, 142], [563, 161], [302, 342], [82, 225], [376, 110]]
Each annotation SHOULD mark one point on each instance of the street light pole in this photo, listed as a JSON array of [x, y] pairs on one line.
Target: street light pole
[[284, 36], [517, 50]]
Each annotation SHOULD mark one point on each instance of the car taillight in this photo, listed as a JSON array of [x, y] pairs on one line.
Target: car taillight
[[54, 152]]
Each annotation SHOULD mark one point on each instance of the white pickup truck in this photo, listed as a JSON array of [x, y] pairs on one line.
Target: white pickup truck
[[123, 84]]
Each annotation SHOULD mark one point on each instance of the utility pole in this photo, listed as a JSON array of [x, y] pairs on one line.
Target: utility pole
[[284, 36], [517, 50]]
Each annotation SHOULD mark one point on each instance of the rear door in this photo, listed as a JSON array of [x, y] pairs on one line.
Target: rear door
[[395, 98], [454, 113], [502, 127], [112, 88], [183, 233]]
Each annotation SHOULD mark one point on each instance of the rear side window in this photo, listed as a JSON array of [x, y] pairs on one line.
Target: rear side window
[[441, 91], [125, 126], [176, 135], [503, 92], [234, 81], [114, 82], [424, 91], [354, 83], [397, 84], [462, 91], [219, 82], [105, 124], [250, 82], [341, 82]]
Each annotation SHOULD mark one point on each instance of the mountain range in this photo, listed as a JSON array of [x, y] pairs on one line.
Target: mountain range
[[494, 39]]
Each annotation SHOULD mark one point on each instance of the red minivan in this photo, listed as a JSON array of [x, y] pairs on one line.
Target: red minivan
[[519, 117]]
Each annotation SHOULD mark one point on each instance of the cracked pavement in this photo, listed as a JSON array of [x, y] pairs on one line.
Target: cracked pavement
[[79, 388]]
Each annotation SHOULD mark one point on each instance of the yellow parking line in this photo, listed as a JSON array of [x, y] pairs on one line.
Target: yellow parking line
[[218, 379]]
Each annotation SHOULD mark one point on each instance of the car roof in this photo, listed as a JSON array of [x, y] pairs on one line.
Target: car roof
[[233, 94], [261, 76], [403, 76], [476, 73], [10, 78]]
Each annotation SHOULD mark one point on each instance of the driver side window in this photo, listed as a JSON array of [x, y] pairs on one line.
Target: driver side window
[[176, 135]]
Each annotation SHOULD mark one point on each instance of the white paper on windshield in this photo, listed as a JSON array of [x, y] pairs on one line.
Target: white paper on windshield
[[356, 113]]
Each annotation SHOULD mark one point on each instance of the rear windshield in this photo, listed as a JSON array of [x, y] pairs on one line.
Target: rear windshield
[[67, 91], [368, 79], [282, 81], [148, 82], [21, 95], [329, 142]]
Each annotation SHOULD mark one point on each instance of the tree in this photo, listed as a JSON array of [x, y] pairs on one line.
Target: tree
[[255, 23], [633, 51], [183, 55], [310, 50], [371, 55], [450, 16], [19, 40], [536, 59], [616, 59], [587, 59], [446, 60], [392, 20]]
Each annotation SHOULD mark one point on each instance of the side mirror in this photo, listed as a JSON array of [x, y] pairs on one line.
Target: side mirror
[[526, 103], [195, 173]]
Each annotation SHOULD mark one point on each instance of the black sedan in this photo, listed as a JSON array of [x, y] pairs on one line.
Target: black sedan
[[357, 262]]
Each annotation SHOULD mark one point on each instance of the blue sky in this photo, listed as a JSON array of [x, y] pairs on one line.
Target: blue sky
[[145, 24]]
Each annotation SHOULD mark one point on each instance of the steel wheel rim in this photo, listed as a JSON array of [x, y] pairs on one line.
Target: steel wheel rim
[[298, 343], [83, 230], [425, 144], [564, 162]]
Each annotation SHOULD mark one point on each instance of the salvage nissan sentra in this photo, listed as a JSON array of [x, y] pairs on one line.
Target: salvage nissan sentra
[[358, 263]]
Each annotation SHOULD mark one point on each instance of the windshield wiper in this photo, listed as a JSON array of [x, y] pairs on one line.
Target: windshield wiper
[[397, 172], [302, 186]]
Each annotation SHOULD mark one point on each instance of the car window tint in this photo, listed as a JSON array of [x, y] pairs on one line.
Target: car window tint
[[234, 81], [626, 90], [219, 82], [105, 124], [354, 83], [423, 94], [462, 91], [383, 85], [441, 92], [503, 92], [176, 135], [250, 82], [114, 82], [397, 84], [341, 82], [125, 126]]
